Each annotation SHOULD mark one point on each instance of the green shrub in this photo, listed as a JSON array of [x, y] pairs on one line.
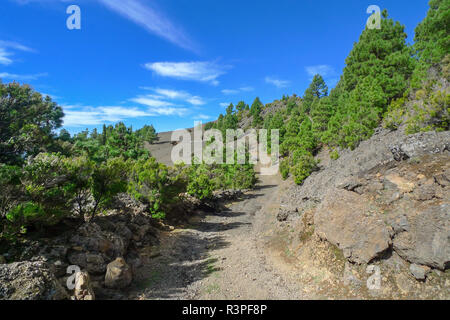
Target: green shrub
[[303, 165], [155, 184], [334, 155], [201, 183], [284, 168]]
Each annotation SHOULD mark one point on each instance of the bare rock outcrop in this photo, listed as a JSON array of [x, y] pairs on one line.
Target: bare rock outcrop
[[345, 219], [29, 281]]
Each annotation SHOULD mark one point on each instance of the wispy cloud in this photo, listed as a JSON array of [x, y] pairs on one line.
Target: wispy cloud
[[76, 116], [224, 104], [156, 106], [144, 14], [326, 71], [21, 77], [7, 49], [151, 19], [203, 71], [151, 102], [236, 91], [323, 69], [201, 117], [230, 91], [179, 95], [277, 82]]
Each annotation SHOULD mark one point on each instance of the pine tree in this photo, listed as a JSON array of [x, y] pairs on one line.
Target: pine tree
[[376, 72], [255, 111], [316, 90]]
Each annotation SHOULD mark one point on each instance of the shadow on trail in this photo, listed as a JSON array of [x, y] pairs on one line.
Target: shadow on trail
[[187, 256], [186, 260], [217, 226]]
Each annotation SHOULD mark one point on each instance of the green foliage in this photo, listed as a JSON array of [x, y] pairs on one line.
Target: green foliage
[[432, 114], [108, 179], [316, 90], [255, 111], [147, 133], [334, 155], [154, 184], [303, 165], [201, 183], [393, 117], [27, 121], [432, 39], [284, 168], [117, 141], [376, 73], [11, 188]]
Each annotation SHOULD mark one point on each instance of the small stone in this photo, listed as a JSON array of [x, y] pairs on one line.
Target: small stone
[[83, 287], [419, 272]]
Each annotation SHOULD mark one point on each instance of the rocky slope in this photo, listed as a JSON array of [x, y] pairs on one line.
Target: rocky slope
[[387, 203]]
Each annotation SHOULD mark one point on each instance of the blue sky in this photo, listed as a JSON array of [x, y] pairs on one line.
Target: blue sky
[[170, 62]]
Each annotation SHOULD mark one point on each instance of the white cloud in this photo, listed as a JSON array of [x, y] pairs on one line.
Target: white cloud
[[201, 117], [224, 104], [7, 48], [246, 89], [178, 95], [277, 82], [203, 71], [159, 107], [196, 101], [151, 102], [4, 57], [21, 77], [76, 116], [230, 91], [144, 14], [149, 18], [236, 91], [322, 69]]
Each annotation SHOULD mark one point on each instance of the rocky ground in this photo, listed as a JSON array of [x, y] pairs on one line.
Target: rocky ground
[[374, 224]]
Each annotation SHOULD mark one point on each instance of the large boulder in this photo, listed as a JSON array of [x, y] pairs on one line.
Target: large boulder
[[92, 248], [118, 274], [29, 281], [423, 235], [345, 219], [90, 237]]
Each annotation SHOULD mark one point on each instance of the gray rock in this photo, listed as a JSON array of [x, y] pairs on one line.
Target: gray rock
[[91, 238], [419, 272], [342, 220], [118, 274], [29, 281], [427, 242], [92, 262], [83, 287], [283, 215], [349, 278]]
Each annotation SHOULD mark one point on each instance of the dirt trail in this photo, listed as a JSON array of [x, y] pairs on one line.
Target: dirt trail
[[223, 255]]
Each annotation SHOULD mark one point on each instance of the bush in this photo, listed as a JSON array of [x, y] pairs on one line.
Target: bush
[[108, 180], [284, 168], [334, 155], [303, 164], [154, 184], [201, 183]]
